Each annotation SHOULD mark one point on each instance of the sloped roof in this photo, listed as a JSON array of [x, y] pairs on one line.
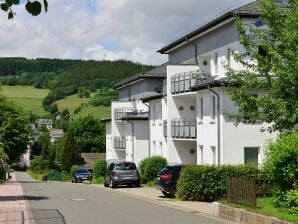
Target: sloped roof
[[250, 11], [158, 72], [56, 132]]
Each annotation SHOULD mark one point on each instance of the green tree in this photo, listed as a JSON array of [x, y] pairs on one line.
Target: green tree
[[14, 130], [272, 67], [88, 132], [32, 7], [69, 154]]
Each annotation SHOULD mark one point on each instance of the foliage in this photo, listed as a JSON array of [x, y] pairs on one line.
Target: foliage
[[104, 97], [270, 64], [290, 201], [2, 174], [36, 175], [149, 167], [66, 177], [87, 131], [99, 169], [208, 183], [14, 130], [282, 161], [69, 154], [39, 165], [98, 180], [32, 7]]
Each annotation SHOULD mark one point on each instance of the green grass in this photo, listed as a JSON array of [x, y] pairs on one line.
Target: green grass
[[36, 176], [265, 206], [27, 97], [73, 102], [99, 180]]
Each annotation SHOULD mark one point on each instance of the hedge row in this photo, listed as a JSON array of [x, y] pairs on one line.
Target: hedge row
[[99, 169], [149, 167], [208, 183]]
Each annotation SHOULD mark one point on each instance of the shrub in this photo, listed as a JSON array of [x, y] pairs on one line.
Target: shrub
[[39, 165], [208, 183], [290, 201], [65, 176], [73, 168], [99, 168], [2, 174], [149, 167], [281, 161]]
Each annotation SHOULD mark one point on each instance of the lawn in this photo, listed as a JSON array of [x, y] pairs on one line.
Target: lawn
[[265, 206], [27, 97], [73, 102]]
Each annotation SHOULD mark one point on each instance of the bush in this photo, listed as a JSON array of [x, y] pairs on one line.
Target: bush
[[2, 174], [99, 169], [149, 167], [290, 202], [65, 176], [73, 168], [282, 162], [39, 165], [208, 183]]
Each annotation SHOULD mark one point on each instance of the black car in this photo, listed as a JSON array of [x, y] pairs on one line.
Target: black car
[[122, 173], [80, 175], [167, 179]]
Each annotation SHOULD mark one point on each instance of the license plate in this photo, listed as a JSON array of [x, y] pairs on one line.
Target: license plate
[[84, 178]]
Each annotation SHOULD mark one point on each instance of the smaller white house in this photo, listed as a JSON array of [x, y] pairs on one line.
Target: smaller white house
[[56, 134], [48, 123]]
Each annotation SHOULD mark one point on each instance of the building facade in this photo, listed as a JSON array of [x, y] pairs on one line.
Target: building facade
[[188, 121]]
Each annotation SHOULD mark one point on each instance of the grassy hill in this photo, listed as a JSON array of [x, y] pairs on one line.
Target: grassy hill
[[30, 99], [27, 97], [73, 102]]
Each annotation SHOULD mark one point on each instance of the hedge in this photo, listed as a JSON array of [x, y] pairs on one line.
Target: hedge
[[208, 183], [2, 174], [99, 169], [149, 167]]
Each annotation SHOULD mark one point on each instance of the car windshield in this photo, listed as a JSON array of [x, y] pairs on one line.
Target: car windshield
[[82, 172], [165, 170], [125, 166]]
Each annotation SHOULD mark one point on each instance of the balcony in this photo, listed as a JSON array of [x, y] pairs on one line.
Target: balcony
[[120, 142], [122, 112], [182, 83], [184, 128]]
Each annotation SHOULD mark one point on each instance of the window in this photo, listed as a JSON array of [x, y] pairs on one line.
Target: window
[[229, 54], [126, 166], [213, 108], [202, 154], [216, 62], [160, 146], [213, 155], [154, 113], [160, 112], [202, 109], [251, 155]]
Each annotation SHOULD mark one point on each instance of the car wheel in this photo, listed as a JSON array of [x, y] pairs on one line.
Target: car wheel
[[173, 192], [165, 193], [112, 185], [138, 184]]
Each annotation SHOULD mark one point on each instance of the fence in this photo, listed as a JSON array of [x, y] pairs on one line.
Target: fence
[[244, 190]]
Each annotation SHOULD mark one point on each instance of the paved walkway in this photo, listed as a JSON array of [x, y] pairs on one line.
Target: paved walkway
[[13, 208]]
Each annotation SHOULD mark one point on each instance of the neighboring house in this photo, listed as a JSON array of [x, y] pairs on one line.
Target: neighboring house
[[48, 123], [56, 134], [127, 132], [188, 121]]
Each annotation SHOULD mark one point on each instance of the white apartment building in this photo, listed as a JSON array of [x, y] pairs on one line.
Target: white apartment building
[[188, 121]]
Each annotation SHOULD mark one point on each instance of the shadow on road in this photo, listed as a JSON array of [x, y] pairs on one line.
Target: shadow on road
[[19, 197]]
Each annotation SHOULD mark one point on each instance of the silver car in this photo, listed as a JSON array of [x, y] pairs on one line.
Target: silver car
[[122, 173]]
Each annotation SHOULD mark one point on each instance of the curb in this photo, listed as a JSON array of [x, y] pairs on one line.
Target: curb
[[243, 216]]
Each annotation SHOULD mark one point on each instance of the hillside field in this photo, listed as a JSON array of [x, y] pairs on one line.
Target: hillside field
[[27, 97], [30, 99]]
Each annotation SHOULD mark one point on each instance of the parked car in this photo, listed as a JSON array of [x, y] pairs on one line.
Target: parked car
[[166, 180], [80, 175], [122, 173]]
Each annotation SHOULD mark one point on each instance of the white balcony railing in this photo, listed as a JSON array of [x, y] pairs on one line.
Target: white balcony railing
[[184, 128], [122, 112], [120, 142]]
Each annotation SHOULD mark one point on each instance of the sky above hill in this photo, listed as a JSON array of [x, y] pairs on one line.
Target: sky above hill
[[111, 29]]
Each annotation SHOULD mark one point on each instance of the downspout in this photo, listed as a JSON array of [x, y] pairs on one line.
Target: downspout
[[218, 124], [133, 139], [149, 151], [196, 50]]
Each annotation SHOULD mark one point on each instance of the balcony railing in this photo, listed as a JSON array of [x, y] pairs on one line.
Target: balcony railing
[[183, 82], [184, 128], [165, 128], [120, 142], [122, 112]]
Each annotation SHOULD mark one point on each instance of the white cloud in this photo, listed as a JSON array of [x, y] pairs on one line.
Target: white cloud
[[135, 29]]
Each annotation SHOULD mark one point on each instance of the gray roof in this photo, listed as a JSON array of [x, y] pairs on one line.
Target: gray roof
[[158, 72], [153, 97], [250, 11]]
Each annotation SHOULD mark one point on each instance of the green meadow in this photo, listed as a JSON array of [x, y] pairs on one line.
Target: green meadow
[[30, 99], [27, 97]]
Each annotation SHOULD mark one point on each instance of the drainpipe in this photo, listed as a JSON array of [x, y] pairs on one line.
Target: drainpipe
[[218, 124], [149, 151], [133, 139], [196, 50]]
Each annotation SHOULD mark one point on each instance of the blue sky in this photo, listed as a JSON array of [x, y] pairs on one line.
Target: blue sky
[[119, 29]]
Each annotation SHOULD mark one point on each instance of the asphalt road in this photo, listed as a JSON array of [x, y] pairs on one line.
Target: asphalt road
[[55, 202]]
